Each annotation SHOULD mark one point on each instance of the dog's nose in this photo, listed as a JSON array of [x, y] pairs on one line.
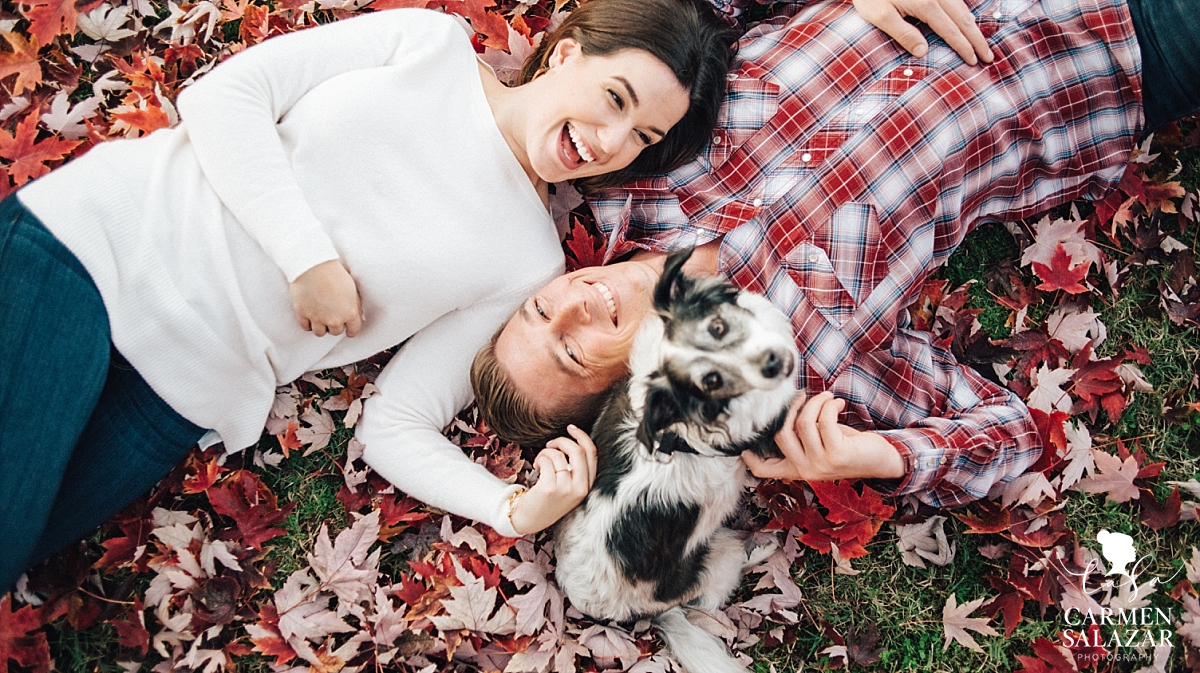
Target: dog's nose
[[775, 364]]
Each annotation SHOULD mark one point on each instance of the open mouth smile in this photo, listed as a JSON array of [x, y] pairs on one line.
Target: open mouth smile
[[572, 150], [609, 301]]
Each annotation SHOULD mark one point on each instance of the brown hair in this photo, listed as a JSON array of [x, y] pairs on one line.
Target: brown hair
[[687, 36], [511, 415]]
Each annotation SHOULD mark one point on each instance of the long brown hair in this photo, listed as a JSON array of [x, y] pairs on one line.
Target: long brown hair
[[687, 36]]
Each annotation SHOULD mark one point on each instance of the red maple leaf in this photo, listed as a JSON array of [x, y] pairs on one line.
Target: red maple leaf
[[583, 248], [1010, 603], [251, 505], [991, 518], [49, 18], [396, 513], [18, 642], [1061, 275], [1048, 660], [860, 516], [1159, 515], [1097, 384], [131, 631], [29, 156], [266, 636]]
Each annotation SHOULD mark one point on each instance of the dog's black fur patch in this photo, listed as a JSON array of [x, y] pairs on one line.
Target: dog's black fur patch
[[649, 541]]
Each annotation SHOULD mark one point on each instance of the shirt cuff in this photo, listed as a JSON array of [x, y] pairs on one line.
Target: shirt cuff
[[925, 461]]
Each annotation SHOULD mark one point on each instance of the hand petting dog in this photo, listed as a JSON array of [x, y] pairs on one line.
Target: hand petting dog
[[817, 448], [567, 468]]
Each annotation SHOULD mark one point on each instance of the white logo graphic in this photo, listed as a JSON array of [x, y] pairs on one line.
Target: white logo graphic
[[1118, 550]]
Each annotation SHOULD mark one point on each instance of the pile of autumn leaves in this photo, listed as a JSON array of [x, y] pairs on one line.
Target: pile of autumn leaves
[[186, 577]]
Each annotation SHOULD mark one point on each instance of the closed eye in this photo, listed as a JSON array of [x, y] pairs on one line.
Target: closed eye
[[644, 138], [571, 354]]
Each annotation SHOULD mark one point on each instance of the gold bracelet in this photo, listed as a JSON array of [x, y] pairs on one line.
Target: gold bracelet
[[512, 504]]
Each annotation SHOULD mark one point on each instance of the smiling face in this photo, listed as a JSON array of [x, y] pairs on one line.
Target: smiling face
[[595, 114], [573, 337]]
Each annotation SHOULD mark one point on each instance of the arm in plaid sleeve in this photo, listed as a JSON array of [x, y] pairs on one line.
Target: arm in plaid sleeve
[[957, 433]]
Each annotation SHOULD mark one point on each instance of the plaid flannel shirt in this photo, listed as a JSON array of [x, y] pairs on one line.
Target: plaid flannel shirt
[[845, 170]]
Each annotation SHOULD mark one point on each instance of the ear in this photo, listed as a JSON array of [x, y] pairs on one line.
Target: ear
[[660, 411], [673, 283], [564, 50]]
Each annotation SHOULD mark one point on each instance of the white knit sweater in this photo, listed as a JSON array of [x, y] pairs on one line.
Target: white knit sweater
[[368, 140]]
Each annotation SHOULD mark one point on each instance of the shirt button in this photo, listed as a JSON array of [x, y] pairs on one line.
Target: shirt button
[[997, 14], [942, 461], [860, 111], [806, 157], [757, 203], [908, 72], [717, 139], [731, 76], [813, 257]]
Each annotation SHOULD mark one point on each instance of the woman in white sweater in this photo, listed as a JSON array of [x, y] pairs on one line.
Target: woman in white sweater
[[327, 194]]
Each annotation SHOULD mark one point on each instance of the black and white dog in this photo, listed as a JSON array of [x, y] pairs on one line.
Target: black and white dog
[[711, 376]]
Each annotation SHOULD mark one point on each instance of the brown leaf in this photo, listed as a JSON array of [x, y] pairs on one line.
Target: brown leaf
[[1115, 478], [20, 639], [1159, 515]]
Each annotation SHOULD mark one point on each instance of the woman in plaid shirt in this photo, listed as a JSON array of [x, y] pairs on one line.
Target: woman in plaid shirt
[[844, 171]]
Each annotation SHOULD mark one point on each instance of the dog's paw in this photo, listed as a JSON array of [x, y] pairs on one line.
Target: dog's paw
[[759, 548]]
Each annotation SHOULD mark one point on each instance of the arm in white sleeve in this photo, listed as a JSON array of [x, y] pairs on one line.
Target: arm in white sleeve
[[421, 390], [230, 117]]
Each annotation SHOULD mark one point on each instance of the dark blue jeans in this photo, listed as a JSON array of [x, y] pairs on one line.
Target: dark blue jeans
[[1168, 33], [81, 434]]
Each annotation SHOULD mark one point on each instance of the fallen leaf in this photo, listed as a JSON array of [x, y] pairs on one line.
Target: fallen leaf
[[956, 623], [1115, 478], [925, 541]]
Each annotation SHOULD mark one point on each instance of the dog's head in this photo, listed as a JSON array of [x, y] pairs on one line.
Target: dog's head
[[715, 373]]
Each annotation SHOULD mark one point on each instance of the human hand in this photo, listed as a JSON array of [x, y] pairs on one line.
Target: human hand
[[567, 469], [325, 299], [817, 448], [950, 19]]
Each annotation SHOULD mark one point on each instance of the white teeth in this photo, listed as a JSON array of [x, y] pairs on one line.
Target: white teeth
[[583, 153], [608, 299]]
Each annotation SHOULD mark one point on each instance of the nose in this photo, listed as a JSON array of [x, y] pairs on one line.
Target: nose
[[573, 311], [775, 363], [614, 135]]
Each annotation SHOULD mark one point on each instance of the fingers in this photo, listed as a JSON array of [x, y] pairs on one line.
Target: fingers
[[965, 21], [770, 468], [952, 20], [806, 425], [887, 18]]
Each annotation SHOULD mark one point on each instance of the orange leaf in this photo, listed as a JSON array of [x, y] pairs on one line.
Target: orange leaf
[[29, 156], [22, 60], [147, 119], [49, 18]]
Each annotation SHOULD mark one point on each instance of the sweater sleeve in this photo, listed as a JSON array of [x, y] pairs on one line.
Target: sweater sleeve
[[421, 389], [230, 117]]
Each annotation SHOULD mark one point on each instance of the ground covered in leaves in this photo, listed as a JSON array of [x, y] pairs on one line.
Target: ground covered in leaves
[[294, 556]]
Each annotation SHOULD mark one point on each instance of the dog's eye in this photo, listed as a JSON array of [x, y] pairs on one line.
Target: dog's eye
[[716, 328], [711, 381]]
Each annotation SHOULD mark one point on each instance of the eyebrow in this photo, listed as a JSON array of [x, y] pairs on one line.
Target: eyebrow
[[634, 99], [527, 316]]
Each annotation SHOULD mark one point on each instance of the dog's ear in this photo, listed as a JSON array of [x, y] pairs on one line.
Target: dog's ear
[[659, 413], [673, 283]]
